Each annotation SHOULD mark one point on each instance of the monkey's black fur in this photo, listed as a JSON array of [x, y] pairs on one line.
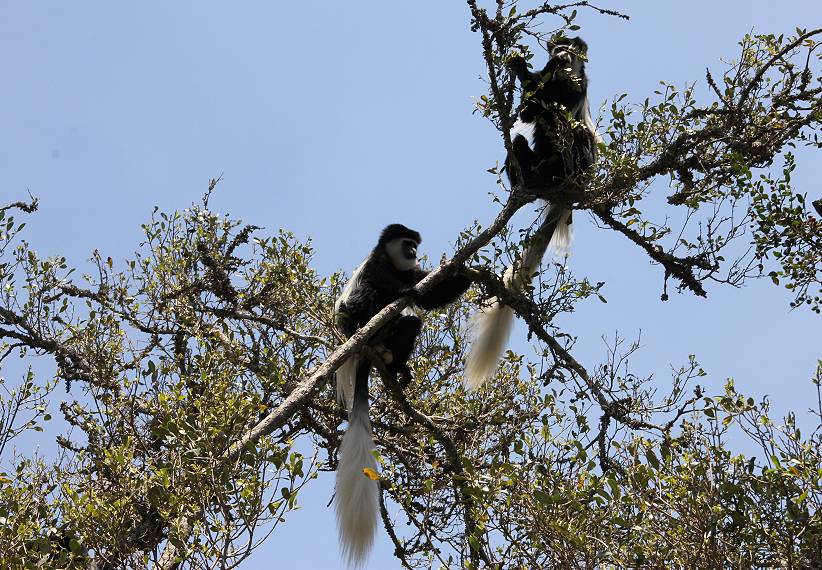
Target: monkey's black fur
[[554, 101], [381, 283], [391, 271]]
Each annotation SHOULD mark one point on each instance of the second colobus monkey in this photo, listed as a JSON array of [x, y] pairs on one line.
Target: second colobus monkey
[[554, 141], [388, 273], [554, 137]]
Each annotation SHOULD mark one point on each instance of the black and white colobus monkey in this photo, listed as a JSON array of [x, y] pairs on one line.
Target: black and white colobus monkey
[[554, 138], [388, 273], [554, 141]]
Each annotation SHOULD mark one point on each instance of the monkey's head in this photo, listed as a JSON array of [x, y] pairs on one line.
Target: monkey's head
[[400, 244], [572, 52]]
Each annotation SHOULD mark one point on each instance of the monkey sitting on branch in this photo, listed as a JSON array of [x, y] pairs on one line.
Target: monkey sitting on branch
[[554, 147], [391, 271]]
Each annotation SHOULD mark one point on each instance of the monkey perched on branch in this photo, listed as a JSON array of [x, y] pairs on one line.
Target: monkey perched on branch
[[554, 146]]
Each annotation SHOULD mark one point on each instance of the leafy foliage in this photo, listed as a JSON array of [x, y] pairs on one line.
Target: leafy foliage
[[197, 371]]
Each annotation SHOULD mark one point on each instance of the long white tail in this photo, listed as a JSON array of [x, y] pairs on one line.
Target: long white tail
[[562, 238], [357, 499], [491, 327], [344, 377]]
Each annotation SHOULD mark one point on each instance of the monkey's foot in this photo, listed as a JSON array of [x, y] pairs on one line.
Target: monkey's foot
[[404, 374]]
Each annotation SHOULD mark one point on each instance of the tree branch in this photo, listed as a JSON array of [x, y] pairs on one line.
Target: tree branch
[[20, 205]]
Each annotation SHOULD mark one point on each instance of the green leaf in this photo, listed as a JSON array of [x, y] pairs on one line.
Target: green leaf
[[653, 461]]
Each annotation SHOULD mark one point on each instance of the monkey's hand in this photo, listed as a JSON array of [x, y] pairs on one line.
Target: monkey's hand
[[519, 66], [410, 292], [516, 61]]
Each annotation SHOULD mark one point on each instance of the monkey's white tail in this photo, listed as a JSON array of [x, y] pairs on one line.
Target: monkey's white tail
[[563, 237], [491, 327], [357, 499], [344, 377]]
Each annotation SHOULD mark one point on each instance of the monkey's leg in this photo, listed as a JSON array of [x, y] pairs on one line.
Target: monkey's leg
[[401, 343], [525, 159], [549, 170]]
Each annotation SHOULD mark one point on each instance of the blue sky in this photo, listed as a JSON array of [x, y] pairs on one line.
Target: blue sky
[[334, 119]]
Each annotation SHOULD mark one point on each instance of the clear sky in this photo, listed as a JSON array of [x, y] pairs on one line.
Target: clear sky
[[333, 119]]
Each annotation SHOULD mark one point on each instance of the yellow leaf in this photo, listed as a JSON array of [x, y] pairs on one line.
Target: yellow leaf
[[371, 474]]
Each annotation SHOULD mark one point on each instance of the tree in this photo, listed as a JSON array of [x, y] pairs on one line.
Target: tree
[[196, 367]]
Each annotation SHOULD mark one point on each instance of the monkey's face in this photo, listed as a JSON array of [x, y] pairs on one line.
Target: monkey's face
[[403, 253], [572, 53]]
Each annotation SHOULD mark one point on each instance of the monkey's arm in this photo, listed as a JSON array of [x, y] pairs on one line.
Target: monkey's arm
[[551, 67], [445, 292], [519, 67]]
